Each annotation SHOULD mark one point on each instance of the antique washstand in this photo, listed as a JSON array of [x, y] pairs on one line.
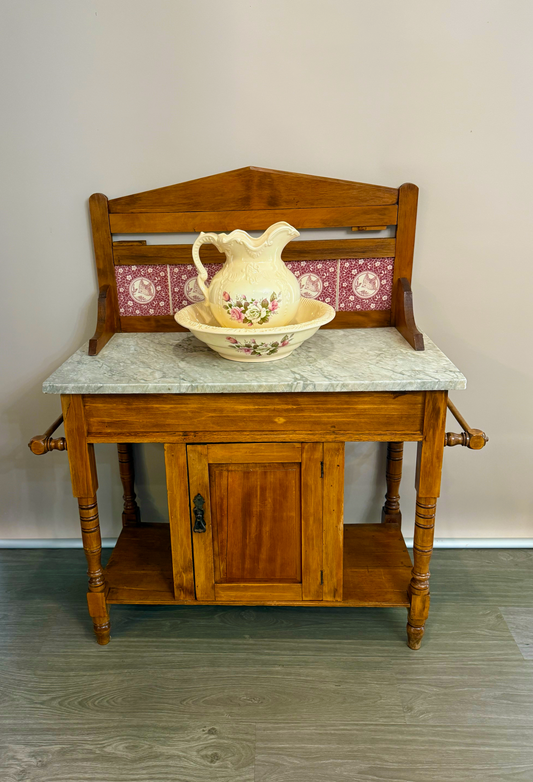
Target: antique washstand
[[255, 453]]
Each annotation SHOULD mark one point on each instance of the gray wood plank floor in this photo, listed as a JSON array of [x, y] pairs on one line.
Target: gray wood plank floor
[[267, 694]]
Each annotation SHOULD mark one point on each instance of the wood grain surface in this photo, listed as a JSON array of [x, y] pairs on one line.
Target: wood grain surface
[[390, 753], [257, 521], [251, 220], [343, 320], [254, 417], [318, 249], [253, 187], [376, 567]]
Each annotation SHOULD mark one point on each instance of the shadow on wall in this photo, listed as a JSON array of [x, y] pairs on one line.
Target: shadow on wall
[[364, 482], [150, 481]]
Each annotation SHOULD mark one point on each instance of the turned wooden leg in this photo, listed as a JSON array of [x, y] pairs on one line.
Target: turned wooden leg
[[391, 513], [84, 487], [428, 476], [419, 586], [131, 514], [92, 545]]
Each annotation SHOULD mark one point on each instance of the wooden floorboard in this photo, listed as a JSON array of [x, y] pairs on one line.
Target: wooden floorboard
[[467, 693], [352, 691], [498, 577], [267, 694], [335, 752], [184, 751]]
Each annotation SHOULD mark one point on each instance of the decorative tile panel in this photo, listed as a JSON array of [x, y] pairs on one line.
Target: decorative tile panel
[[351, 284], [318, 279], [143, 290], [183, 285], [365, 284]]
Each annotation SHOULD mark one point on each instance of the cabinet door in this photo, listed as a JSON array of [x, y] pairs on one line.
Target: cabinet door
[[261, 507]]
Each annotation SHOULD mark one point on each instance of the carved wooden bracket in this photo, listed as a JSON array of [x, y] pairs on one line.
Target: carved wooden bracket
[[43, 443], [470, 438], [105, 324], [404, 314]]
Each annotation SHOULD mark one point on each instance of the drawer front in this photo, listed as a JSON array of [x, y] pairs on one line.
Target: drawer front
[[256, 418]]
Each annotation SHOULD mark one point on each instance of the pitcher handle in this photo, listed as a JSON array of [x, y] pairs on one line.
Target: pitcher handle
[[202, 273]]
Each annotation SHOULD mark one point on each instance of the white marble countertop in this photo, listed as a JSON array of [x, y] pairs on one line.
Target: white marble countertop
[[333, 360]]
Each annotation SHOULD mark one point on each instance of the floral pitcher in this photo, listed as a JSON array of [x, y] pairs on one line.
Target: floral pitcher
[[254, 288]]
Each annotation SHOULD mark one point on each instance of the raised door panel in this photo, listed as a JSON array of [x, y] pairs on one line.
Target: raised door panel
[[256, 517]]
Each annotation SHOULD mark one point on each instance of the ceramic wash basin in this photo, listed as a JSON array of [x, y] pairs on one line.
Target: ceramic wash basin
[[259, 344]]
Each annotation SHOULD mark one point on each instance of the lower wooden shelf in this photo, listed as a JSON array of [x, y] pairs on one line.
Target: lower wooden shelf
[[377, 569]]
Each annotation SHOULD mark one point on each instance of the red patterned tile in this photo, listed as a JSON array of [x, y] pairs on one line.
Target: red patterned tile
[[318, 279], [143, 290], [347, 284], [183, 283], [365, 284]]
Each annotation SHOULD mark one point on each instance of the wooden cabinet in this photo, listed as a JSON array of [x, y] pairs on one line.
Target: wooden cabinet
[[256, 513], [268, 511]]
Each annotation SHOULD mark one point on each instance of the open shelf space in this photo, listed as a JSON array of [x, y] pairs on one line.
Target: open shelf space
[[377, 568], [140, 567]]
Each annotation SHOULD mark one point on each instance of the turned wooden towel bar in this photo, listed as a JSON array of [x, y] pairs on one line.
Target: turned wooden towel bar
[[471, 438]]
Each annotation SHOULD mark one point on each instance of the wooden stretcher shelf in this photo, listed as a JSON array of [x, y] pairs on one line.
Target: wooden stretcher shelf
[[377, 569]]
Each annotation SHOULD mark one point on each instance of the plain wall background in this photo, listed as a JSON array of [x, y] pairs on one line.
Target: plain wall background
[[129, 95]]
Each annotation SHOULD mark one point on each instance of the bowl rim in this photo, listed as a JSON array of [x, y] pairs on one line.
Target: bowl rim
[[327, 316]]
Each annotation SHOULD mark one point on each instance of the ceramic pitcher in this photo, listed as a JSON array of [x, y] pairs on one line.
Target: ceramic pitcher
[[254, 288]]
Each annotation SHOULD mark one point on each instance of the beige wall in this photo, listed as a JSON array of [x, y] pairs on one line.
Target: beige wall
[[129, 95]]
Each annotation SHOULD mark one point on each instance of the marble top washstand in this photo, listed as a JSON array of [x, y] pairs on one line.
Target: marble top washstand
[[373, 359]]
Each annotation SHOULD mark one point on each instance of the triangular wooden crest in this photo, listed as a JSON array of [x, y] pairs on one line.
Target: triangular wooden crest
[[254, 188]]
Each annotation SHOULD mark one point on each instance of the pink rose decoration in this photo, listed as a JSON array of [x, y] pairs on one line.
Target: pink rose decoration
[[225, 296], [236, 314], [286, 342], [232, 340], [273, 305]]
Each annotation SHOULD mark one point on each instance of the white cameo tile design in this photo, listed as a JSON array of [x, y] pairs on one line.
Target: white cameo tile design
[[352, 284], [365, 284], [318, 279], [143, 290], [183, 285]]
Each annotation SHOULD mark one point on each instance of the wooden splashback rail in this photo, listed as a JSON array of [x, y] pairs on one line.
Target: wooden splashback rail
[[129, 252], [186, 222]]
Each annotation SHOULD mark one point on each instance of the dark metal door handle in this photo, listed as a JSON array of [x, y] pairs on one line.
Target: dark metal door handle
[[198, 510]]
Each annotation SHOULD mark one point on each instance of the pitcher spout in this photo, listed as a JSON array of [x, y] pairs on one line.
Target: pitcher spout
[[279, 234]]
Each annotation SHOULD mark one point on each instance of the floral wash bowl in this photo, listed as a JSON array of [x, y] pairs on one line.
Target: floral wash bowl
[[259, 344]]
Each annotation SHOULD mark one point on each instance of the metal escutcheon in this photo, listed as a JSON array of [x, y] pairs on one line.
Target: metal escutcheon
[[198, 510]]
